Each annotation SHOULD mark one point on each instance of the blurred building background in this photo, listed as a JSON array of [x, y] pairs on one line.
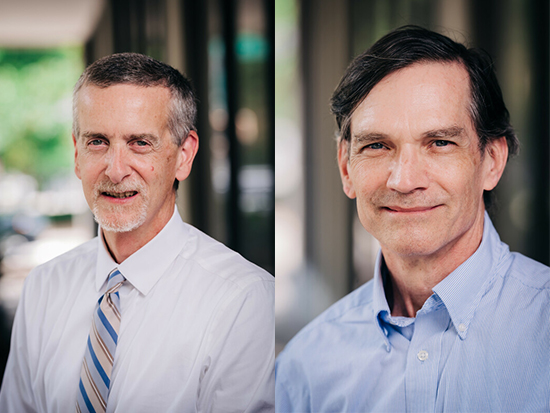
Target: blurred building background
[[224, 46], [322, 251]]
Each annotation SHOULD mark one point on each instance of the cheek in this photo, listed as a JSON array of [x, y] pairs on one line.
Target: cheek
[[90, 162], [156, 169], [369, 178], [462, 180], [369, 175], [88, 169], [145, 165]]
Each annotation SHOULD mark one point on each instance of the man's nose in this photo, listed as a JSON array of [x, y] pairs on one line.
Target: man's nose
[[408, 171], [117, 164]]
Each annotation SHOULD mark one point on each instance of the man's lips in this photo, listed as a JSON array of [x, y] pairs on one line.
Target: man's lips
[[119, 195], [395, 208]]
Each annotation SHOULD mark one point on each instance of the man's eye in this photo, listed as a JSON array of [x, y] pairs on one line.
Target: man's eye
[[442, 143], [96, 142], [141, 143], [375, 146]]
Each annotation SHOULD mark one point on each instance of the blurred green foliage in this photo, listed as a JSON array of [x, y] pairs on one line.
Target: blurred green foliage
[[287, 84], [35, 110]]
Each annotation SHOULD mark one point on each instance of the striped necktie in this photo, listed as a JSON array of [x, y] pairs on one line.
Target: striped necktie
[[95, 375]]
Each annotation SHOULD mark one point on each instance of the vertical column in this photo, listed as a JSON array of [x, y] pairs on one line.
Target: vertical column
[[325, 55], [195, 22]]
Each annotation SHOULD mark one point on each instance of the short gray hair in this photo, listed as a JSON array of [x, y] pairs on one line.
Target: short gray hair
[[140, 70]]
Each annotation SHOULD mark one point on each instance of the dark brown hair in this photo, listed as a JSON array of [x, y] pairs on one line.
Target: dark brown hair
[[412, 44]]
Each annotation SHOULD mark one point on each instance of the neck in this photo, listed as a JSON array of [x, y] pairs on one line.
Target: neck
[[412, 278], [123, 244]]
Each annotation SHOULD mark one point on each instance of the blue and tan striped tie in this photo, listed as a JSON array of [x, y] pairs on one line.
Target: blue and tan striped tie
[[95, 376]]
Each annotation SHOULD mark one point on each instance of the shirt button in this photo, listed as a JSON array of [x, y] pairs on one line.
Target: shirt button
[[461, 327], [422, 355]]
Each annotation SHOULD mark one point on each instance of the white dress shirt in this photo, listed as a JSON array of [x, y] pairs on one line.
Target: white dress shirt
[[197, 329]]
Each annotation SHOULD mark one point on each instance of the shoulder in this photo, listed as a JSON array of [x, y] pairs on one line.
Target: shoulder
[[345, 310], [526, 272], [333, 327], [517, 298], [52, 285], [67, 266], [327, 348], [215, 260], [512, 268]]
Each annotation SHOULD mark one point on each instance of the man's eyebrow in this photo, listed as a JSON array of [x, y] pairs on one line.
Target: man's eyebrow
[[148, 136], [365, 138], [452, 132], [92, 135], [369, 137]]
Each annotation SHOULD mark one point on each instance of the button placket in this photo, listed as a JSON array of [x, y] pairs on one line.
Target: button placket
[[421, 379]]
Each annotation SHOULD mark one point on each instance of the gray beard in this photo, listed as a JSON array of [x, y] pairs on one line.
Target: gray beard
[[120, 225], [123, 222]]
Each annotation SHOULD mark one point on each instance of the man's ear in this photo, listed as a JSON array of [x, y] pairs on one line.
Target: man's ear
[[496, 155], [186, 154], [76, 167], [343, 165]]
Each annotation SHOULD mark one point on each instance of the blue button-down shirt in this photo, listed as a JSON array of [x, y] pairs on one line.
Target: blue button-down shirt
[[480, 343]]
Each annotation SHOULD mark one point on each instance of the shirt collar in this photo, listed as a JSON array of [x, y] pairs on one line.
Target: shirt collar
[[145, 267], [379, 302], [460, 291]]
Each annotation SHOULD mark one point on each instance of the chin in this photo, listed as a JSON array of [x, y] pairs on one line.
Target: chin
[[119, 222], [411, 250], [118, 226], [410, 242]]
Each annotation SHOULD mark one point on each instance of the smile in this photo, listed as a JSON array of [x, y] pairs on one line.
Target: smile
[[120, 195], [399, 209]]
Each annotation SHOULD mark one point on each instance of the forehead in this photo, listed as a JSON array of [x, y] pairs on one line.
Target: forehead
[[415, 99], [123, 97], [124, 107]]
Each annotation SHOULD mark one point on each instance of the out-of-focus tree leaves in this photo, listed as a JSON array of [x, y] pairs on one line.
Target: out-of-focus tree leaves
[[35, 110]]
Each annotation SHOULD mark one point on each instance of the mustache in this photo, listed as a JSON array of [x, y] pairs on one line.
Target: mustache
[[108, 186], [412, 200]]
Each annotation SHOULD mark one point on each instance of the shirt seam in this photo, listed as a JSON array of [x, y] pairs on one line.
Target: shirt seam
[[504, 274], [225, 279], [334, 318]]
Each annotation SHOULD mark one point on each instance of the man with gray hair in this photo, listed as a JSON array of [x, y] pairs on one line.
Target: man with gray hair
[[152, 315]]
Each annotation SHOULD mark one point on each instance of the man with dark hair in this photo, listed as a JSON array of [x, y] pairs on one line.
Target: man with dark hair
[[452, 321], [152, 315]]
